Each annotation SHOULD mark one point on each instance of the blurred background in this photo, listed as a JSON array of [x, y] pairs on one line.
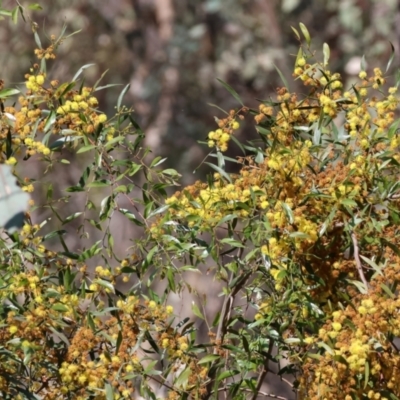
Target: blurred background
[[172, 51]]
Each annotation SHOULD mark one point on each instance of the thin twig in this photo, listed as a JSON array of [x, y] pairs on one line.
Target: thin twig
[[287, 382], [222, 326], [357, 260], [162, 383]]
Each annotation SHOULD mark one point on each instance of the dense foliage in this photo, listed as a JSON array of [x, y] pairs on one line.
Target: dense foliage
[[302, 239]]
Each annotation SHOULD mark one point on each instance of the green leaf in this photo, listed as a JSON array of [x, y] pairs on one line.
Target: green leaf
[[105, 207], [134, 169], [171, 172], [35, 6], [59, 307], [84, 149], [348, 202], [128, 214], [366, 374], [5, 12], [327, 52], [231, 91], [391, 57], [219, 108], [209, 358], [121, 96], [227, 218], [232, 242], [220, 171], [50, 121], [8, 92], [196, 311], [363, 64], [305, 32], [14, 15], [328, 221], [221, 161], [72, 217], [183, 378], [95, 86], [285, 83], [327, 348], [359, 285], [171, 280], [227, 374], [63, 89], [289, 213], [112, 142], [109, 392], [60, 142], [388, 291], [60, 335], [299, 54], [81, 69], [158, 210], [296, 32], [99, 184], [157, 161], [106, 284], [259, 159], [314, 356], [372, 264]]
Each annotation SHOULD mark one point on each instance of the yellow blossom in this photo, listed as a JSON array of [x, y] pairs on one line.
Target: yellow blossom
[[11, 161]]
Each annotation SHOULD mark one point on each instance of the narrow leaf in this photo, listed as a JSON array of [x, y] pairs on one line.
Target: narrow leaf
[[285, 83], [391, 57], [8, 92], [231, 91], [220, 171], [76, 76], [305, 32], [121, 96], [327, 53]]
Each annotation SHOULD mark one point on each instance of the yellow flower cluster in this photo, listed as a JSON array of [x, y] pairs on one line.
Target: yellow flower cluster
[[264, 309], [78, 113], [365, 343], [35, 83], [220, 137], [34, 147], [47, 54], [329, 105], [212, 203], [275, 249], [309, 183], [53, 311], [311, 76]]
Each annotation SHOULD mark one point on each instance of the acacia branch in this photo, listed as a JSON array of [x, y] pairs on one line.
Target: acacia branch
[[264, 371], [163, 383], [223, 324], [357, 260]]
